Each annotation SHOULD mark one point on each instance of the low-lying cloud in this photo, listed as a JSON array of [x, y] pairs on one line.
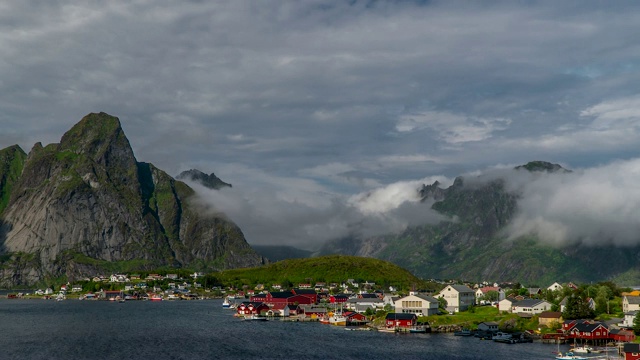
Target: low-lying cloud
[[276, 215], [594, 206]]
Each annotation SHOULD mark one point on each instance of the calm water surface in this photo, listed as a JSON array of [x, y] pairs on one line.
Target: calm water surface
[[73, 329]]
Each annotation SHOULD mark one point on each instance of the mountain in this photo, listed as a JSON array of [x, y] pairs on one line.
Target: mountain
[[85, 206], [277, 253], [209, 181], [472, 245]]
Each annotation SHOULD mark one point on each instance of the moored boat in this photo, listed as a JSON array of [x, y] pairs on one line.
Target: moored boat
[[254, 317]]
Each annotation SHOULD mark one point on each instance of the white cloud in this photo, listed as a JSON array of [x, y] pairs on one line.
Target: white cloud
[[594, 206], [452, 128]]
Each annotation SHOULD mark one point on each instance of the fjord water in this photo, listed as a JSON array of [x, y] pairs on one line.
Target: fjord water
[[201, 329]]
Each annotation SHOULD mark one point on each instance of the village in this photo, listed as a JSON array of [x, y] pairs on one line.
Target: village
[[511, 313]]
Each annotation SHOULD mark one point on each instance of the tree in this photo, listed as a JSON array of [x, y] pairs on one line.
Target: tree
[[577, 308], [442, 304], [636, 324]]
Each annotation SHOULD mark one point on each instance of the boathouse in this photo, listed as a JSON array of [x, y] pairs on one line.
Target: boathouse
[[400, 320], [631, 351]]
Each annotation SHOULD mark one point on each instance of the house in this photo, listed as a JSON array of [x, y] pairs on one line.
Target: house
[[550, 318], [281, 310], [491, 326], [485, 289], [458, 297], [361, 305], [586, 330], [622, 335], [338, 299], [629, 318], [308, 293], [506, 304], [630, 303], [533, 292], [76, 288], [531, 306], [555, 286], [287, 297], [312, 311], [631, 351], [400, 320], [354, 318], [252, 308], [422, 305]]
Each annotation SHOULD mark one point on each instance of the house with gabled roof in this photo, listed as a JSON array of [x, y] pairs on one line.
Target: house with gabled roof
[[419, 304], [458, 297], [488, 326], [630, 303], [530, 306], [555, 286], [550, 318], [506, 304], [400, 320], [589, 330], [629, 318], [631, 351]]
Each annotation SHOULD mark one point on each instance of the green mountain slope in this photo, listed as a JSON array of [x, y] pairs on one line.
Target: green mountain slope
[[334, 268]]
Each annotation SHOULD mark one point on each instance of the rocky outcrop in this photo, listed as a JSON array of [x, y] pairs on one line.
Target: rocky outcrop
[[210, 181], [87, 201]]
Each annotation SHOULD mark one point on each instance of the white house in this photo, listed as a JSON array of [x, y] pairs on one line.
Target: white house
[[629, 317], [506, 304], [630, 303], [422, 305], [458, 297], [554, 286], [485, 289], [531, 306]]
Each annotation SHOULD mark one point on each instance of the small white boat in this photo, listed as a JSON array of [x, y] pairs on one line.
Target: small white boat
[[582, 350], [254, 317], [500, 336], [570, 356], [226, 304]]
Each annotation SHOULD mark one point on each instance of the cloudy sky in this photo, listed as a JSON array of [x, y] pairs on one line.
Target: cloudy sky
[[326, 115]]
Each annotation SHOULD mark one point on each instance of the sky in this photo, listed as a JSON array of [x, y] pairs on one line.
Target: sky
[[327, 115]]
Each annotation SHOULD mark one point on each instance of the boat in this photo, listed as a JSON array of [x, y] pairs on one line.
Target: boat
[[156, 297], [338, 319], [582, 350], [254, 317], [418, 329], [463, 332], [570, 356], [226, 304], [503, 338]]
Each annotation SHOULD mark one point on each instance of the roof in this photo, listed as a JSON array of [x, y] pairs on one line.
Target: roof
[[281, 294], [528, 303], [486, 289], [490, 323], [550, 315], [631, 348], [633, 299], [588, 327], [305, 291], [401, 316], [461, 288]]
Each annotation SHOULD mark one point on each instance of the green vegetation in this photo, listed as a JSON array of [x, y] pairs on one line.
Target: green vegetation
[[12, 161], [334, 268]]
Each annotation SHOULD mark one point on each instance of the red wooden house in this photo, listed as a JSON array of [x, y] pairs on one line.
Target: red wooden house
[[252, 308], [287, 297], [338, 299], [400, 320], [622, 335], [589, 331], [354, 318], [310, 293], [259, 298], [631, 351]]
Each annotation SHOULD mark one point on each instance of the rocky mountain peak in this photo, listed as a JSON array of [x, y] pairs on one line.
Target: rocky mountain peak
[[539, 166], [210, 181]]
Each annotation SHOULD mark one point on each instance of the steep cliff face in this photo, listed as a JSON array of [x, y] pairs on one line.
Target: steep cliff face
[[87, 201]]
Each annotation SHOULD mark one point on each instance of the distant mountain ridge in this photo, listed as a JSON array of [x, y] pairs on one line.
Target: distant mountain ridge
[[473, 246], [210, 181], [86, 204]]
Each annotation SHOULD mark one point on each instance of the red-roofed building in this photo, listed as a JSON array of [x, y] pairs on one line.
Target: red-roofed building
[[252, 308]]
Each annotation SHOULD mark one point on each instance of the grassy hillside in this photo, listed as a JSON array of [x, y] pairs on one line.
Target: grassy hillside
[[333, 268]]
